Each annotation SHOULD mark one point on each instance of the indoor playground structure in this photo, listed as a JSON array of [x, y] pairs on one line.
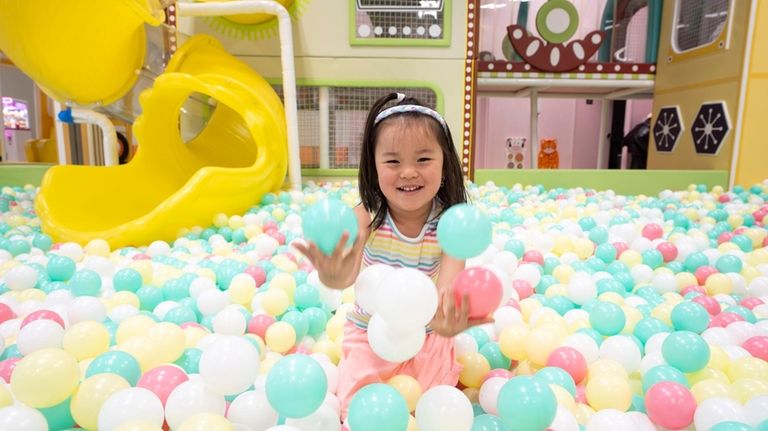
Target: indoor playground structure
[[162, 158]]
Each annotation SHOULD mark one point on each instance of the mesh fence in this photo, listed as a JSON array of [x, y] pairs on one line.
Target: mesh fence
[[699, 22]]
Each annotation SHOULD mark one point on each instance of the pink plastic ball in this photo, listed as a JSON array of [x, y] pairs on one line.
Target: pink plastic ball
[[620, 247], [670, 405], [570, 360], [703, 272], [162, 380], [710, 303], [668, 251], [724, 198], [693, 288], [757, 346], [259, 324], [523, 288], [724, 319], [724, 237], [258, 274], [43, 314], [6, 313], [270, 225], [533, 256], [751, 302], [141, 256], [498, 372], [581, 394], [6, 368], [482, 287], [653, 231]]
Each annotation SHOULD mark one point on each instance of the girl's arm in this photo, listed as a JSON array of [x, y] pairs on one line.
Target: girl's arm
[[340, 269], [450, 320]]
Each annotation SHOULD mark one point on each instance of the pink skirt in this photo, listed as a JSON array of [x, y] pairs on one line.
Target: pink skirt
[[434, 365]]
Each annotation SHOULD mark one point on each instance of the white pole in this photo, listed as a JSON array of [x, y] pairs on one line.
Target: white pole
[[107, 130], [325, 127], [534, 128], [61, 148], [605, 120], [286, 56]]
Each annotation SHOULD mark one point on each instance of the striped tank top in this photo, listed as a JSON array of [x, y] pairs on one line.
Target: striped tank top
[[386, 245]]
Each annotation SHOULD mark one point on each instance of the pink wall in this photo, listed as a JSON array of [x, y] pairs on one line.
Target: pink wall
[[636, 112], [500, 118]]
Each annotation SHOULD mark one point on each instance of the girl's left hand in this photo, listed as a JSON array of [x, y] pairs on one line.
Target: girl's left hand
[[449, 320]]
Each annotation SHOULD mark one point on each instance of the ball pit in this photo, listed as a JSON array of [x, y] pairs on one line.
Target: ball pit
[[611, 312]]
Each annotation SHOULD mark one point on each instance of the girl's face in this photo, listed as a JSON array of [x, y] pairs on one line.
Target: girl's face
[[409, 165]]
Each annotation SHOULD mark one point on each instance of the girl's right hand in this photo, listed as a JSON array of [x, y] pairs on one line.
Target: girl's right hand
[[335, 270]]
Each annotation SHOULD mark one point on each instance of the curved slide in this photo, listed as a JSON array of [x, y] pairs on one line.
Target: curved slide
[[240, 155]]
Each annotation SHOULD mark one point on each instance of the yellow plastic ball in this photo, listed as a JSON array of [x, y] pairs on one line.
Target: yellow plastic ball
[[125, 297], [748, 367], [542, 340], [563, 273], [727, 247], [563, 397], [718, 284], [326, 347], [685, 279], [253, 231], [45, 377], [86, 339], [193, 335], [242, 290], [609, 391], [631, 258], [583, 413], [143, 267], [220, 220], [170, 339], [6, 399], [556, 290], [512, 341], [284, 282], [32, 295], [146, 351], [408, 387], [528, 306], [334, 328], [206, 422], [275, 302], [707, 373], [663, 312], [562, 244], [284, 264], [612, 297], [280, 337], [348, 295], [91, 395], [236, 222], [747, 389], [712, 388], [476, 366], [583, 248], [97, 247], [134, 326]]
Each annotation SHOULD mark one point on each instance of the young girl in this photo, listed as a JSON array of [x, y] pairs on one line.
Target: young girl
[[409, 174]]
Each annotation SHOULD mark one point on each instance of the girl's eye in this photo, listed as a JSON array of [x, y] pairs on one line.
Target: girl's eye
[[424, 159], [391, 161]]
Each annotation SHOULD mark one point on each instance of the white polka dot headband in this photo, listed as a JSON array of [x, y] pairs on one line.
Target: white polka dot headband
[[399, 109]]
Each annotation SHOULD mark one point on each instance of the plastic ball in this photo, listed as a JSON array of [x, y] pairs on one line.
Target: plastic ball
[[324, 223]]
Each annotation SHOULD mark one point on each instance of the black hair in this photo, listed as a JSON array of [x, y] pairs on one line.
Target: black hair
[[451, 192]]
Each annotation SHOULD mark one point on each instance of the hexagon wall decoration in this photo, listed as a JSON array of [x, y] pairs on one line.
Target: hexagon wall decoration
[[667, 128]]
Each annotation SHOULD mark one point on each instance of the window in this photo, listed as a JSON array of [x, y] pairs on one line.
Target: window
[[347, 111], [400, 22], [699, 23]]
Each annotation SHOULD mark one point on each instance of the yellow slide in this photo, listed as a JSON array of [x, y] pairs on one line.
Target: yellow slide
[[240, 154]]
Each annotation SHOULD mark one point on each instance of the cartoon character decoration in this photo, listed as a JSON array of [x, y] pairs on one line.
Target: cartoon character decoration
[[548, 157], [516, 152]]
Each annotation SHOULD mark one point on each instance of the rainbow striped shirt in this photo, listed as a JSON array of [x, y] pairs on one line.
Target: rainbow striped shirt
[[386, 245]]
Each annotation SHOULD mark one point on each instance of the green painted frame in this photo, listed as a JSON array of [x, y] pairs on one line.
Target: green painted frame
[[445, 41]]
